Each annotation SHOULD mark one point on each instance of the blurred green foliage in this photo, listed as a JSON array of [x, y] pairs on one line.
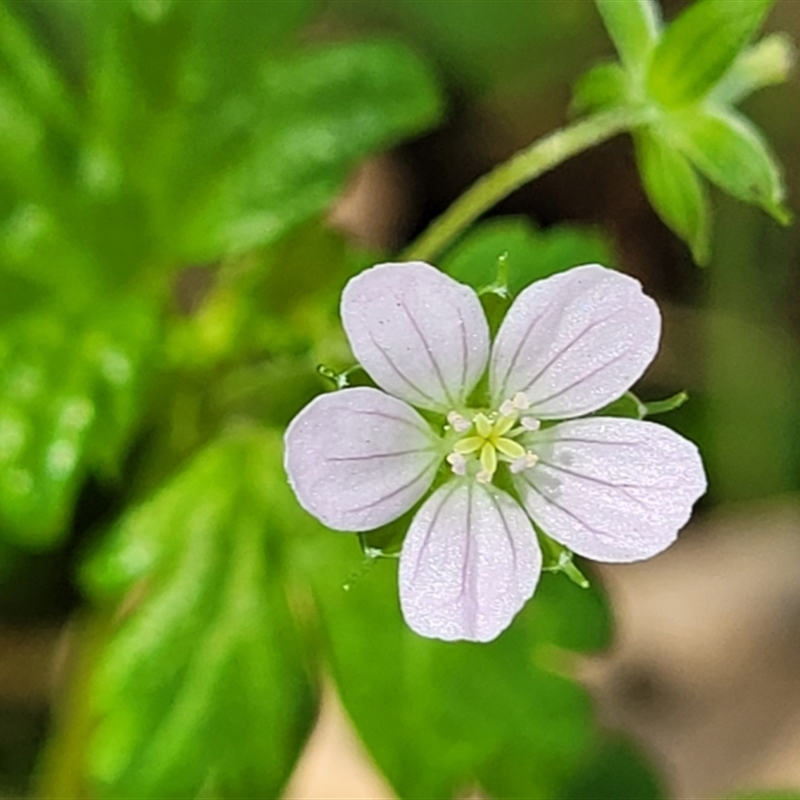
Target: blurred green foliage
[[685, 78], [144, 143]]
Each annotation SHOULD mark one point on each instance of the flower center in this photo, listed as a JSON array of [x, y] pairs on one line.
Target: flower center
[[490, 437]]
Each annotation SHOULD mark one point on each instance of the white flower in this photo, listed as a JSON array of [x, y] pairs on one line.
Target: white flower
[[608, 488]]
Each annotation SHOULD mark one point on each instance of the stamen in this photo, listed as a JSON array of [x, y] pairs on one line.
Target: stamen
[[507, 408], [521, 402], [458, 422], [458, 463], [524, 462], [492, 440]]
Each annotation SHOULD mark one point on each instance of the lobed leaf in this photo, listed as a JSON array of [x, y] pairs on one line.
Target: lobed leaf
[[440, 718], [203, 688], [70, 396]]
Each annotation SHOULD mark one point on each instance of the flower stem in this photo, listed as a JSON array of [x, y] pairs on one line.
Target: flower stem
[[524, 166]]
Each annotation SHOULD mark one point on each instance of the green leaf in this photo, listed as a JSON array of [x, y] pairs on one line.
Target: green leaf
[[634, 27], [530, 254], [70, 395], [440, 718], [766, 63], [203, 688], [321, 113], [604, 86], [25, 63], [481, 49], [615, 771], [675, 192], [203, 131], [731, 152], [699, 46]]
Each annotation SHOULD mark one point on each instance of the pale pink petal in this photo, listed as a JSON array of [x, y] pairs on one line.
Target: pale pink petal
[[359, 458], [574, 342], [418, 333], [611, 489], [469, 563]]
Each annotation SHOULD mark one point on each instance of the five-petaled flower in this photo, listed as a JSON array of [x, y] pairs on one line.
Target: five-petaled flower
[[609, 488]]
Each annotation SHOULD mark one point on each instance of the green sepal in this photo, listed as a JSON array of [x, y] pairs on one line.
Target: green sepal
[[203, 688], [699, 46], [557, 558], [664, 406], [730, 151], [675, 192], [634, 27], [629, 406], [766, 63], [603, 87]]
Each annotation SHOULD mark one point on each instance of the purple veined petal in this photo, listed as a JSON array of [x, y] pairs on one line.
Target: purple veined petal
[[420, 335], [574, 342], [612, 489], [469, 563], [359, 458]]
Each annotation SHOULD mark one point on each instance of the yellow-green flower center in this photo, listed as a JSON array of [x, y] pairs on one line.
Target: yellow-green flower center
[[491, 437]]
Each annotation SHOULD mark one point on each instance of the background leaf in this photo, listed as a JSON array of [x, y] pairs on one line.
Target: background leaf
[[319, 114], [530, 254], [439, 717], [70, 395], [204, 687]]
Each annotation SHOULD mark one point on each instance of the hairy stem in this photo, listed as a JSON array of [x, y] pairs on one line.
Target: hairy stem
[[530, 163]]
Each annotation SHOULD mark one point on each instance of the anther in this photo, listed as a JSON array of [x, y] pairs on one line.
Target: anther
[[458, 423], [458, 463], [524, 462]]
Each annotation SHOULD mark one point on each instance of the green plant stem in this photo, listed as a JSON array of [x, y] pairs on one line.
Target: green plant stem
[[530, 163]]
